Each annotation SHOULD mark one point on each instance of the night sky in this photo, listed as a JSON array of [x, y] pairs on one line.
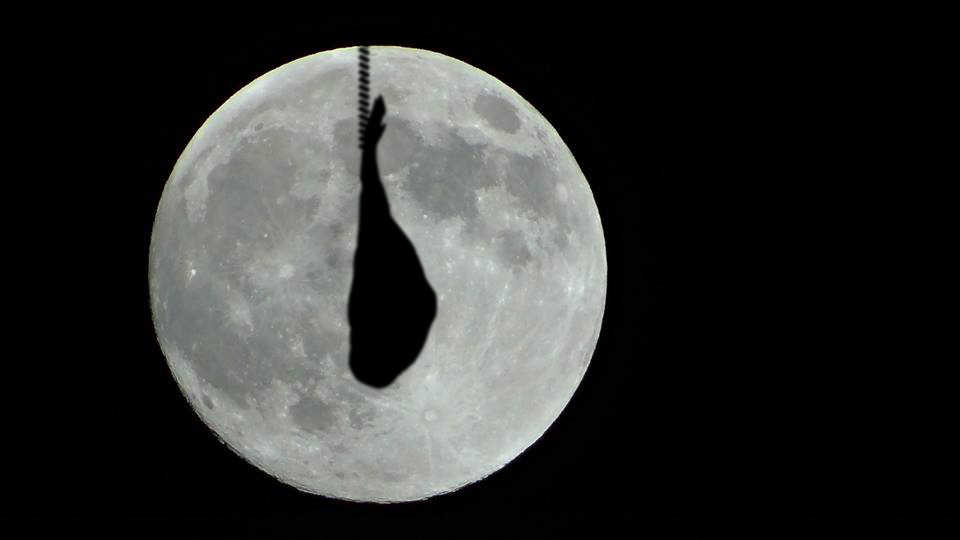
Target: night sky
[[771, 326]]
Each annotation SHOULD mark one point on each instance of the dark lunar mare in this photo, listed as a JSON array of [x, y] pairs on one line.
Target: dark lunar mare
[[392, 305]]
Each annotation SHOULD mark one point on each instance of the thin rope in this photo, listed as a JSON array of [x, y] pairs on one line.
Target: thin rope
[[364, 90]]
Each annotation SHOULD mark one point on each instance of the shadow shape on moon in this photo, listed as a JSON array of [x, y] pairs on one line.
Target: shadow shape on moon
[[392, 305], [251, 267]]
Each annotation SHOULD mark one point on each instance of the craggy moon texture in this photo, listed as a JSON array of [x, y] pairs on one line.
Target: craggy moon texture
[[251, 261]]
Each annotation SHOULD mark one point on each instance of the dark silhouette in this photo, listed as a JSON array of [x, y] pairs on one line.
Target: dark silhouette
[[392, 305]]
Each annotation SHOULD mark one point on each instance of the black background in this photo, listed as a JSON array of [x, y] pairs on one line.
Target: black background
[[768, 341]]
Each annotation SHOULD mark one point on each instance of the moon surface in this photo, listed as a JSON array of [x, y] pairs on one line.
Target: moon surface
[[251, 261]]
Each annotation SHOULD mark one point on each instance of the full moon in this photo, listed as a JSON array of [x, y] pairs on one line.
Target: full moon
[[251, 261]]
